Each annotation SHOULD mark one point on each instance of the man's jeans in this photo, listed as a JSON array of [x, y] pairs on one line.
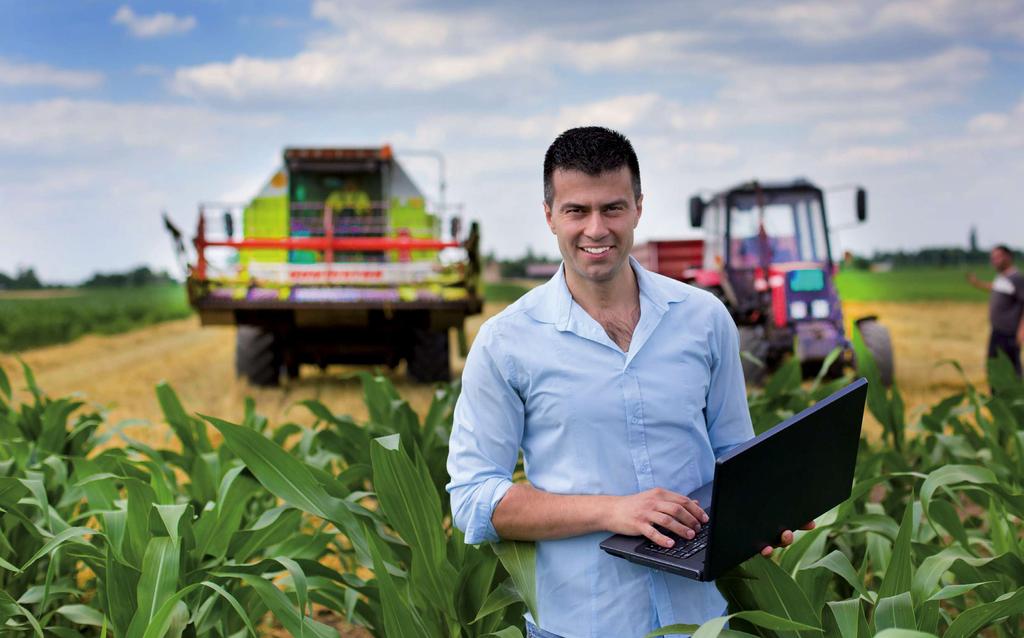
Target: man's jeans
[[1006, 343], [533, 631]]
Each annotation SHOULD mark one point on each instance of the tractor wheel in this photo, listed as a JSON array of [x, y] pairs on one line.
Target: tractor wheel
[[753, 344], [428, 358], [876, 338], [257, 356]]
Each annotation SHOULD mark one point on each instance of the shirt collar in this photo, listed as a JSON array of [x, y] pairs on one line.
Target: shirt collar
[[554, 303]]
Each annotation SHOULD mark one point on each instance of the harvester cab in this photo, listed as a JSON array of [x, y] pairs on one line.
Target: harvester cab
[[767, 254]]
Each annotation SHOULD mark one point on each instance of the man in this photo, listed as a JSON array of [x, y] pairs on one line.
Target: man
[[1005, 306], [620, 386]]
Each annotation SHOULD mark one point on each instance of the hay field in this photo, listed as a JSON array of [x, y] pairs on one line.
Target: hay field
[[120, 371]]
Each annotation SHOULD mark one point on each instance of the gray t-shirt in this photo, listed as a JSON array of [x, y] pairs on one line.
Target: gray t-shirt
[[1006, 304]]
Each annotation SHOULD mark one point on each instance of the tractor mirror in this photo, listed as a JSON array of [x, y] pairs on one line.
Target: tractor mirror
[[696, 211], [862, 205], [456, 227]]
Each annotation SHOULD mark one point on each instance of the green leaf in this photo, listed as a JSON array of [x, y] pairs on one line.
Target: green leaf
[[507, 632], [503, 595], [847, 616], [904, 633], [285, 611], [5, 384], [519, 558], [895, 612], [943, 514], [778, 594], [899, 572], [839, 564], [67, 535], [82, 615], [160, 567], [714, 627], [952, 475], [952, 591], [162, 618], [9, 608], [973, 619], [400, 618], [413, 509]]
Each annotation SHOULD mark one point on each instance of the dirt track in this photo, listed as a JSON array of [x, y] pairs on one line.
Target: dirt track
[[119, 372]]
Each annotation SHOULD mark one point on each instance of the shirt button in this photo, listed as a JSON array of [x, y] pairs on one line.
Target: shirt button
[[636, 420]]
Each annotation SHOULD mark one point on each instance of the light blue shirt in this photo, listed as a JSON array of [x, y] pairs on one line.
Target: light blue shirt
[[544, 377]]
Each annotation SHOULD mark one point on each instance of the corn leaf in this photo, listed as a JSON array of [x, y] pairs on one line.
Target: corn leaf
[[400, 618], [904, 633], [895, 612], [837, 563], [160, 567], [519, 558], [899, 572], [973, 619], [845, 618], [778, 595]]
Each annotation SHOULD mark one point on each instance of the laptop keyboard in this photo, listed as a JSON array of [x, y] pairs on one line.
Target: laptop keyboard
[[684, 547]]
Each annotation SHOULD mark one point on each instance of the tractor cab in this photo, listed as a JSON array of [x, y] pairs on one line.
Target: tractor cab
[[767, 254]]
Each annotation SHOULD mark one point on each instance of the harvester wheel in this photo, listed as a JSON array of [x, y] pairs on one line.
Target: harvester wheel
[[753, 344], [876, 338], [428, 357], [256, 356]]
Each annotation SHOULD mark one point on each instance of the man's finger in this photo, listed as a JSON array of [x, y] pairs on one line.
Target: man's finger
[[787, 538], [767, 551], [809, 526], [688, 503], [681, 514], [657, 537], [670, 523]]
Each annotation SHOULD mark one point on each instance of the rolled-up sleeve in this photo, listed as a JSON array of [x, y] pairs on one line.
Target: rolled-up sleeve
[[728, 416], [487, 431]]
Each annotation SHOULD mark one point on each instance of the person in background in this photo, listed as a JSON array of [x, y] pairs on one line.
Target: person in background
[[1005, 306]]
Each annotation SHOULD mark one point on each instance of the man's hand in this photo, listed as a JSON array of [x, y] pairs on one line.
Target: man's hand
[[637, 515], [786, 539]]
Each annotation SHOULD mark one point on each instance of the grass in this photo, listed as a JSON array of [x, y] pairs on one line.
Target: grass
[[31, 322], [911, 284]]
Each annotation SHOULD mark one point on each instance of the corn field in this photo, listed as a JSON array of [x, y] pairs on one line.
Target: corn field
[[304, 527]]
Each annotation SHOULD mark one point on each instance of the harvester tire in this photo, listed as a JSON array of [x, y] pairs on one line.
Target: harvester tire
[[879, 343], [257, 356], [428, 359], [753, 344]]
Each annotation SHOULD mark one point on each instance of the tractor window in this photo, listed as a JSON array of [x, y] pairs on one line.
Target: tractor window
[[780, 228]]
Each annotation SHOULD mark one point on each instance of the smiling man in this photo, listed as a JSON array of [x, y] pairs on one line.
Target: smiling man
[[620, 386]]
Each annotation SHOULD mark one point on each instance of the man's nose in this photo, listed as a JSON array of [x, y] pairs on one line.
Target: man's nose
[[596, 227]]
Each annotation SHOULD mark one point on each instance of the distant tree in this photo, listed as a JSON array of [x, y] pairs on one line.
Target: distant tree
[[137, 277], [25, 279]]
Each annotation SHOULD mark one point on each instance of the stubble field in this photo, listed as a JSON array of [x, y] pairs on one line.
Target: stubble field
[[119, 372]]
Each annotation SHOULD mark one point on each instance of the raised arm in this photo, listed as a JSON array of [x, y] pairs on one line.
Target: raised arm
[[978, 283]]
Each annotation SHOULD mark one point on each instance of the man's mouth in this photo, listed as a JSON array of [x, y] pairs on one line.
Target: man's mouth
[[595, 250]]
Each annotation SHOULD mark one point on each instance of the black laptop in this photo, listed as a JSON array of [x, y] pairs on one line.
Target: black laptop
[[779, 480]]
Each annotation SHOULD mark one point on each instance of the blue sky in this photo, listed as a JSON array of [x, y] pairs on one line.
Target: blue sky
[[111, 112]]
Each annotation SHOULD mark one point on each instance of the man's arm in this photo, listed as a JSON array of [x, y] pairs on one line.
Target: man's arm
[[526, 513], [977, 283]]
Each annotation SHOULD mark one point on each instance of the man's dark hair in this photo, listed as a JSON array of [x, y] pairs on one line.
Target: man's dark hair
[[591, 150], [1006, 250]]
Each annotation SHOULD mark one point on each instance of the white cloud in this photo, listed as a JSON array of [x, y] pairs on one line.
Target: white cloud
[[821, 23], [92, 127], [858, 128], [152, 26], [35, 74], [394, 47]]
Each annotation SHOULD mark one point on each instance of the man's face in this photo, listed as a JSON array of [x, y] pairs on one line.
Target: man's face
[[1000, 260], [593, 218]]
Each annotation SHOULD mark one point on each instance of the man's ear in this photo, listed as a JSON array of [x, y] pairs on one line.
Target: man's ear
[[547, 216], [639, 209]]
